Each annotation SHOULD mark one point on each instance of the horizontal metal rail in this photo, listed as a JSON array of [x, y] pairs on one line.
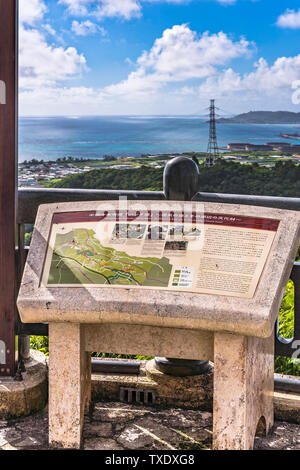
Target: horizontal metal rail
[[287, 203], [287, 385], [115, 367], [29, 199]]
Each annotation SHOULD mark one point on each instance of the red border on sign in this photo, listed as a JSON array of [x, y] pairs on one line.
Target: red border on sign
[[230, 220]]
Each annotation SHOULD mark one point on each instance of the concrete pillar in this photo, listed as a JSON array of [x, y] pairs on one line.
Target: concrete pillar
[[243, 389], [69, 384]]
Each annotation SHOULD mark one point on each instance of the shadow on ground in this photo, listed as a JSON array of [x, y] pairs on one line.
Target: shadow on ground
[[118, 426]]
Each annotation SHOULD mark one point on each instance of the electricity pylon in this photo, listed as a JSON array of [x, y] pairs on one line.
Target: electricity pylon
[[212, 148]]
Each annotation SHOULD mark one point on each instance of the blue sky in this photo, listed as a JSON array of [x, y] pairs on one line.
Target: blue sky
[[158, 56]]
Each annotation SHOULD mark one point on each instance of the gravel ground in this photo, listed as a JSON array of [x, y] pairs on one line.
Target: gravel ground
[[119, 426]]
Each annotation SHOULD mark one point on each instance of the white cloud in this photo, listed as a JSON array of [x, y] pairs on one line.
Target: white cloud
[[49, 29], [182, 54], [163, 73], [289, 19], [227, 2], [30, 11], [59, 100], [265, 78], [42, 64], [86, 28], [103, 8], [268, 86], [125, 9], [179, 55], [279, 75], [76, 7]]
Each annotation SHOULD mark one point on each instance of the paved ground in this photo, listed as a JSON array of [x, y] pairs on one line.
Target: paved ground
[[118, 426]]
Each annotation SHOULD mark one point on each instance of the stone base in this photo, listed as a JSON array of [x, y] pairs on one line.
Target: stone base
[[106, 386], [26, 397], [287, 407], [192, 392], [186, 392]]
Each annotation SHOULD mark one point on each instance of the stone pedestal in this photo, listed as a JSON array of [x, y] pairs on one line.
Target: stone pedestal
[[193, 391], [230, 324]]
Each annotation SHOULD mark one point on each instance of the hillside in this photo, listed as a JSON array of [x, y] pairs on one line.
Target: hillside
[[143, 178], [227, 177], [263, 117]]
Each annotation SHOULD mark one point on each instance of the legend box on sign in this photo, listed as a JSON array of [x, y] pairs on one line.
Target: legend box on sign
[[183, 277]]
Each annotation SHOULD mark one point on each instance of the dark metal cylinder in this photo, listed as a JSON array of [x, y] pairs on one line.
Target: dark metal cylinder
[[181, 367], [181, 183], [181, 179], [24, 348]]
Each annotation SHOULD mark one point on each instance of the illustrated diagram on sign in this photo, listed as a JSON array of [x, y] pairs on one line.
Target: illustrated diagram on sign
[[79, 257]]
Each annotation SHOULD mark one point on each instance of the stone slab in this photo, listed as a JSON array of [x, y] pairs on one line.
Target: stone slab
[[149, 341]]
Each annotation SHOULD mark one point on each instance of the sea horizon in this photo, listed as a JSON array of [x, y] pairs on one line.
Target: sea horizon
[[51, 137]]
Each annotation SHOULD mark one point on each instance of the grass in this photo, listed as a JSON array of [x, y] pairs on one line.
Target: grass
[[41, 343]]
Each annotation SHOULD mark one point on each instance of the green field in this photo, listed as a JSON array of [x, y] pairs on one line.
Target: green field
[[80, 258]]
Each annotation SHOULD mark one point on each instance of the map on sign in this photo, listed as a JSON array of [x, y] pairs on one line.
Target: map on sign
[[80, 257], [220, 254]]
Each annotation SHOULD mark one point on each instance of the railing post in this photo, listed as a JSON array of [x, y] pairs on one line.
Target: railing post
[[23, 340], [8, 167], [181, 183]]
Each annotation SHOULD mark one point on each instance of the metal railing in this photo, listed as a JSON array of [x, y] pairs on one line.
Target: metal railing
[[29, 200]]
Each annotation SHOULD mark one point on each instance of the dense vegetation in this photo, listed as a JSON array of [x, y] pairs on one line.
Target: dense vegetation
[[143, 178], [233, 178], [226, 177]]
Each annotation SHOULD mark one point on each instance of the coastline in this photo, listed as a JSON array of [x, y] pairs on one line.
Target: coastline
[[40, 173]]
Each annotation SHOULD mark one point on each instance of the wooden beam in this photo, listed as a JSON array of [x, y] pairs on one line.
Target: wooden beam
[[8, 166]]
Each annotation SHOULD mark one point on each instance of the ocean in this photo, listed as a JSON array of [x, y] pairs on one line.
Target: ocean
[[49, 138]]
